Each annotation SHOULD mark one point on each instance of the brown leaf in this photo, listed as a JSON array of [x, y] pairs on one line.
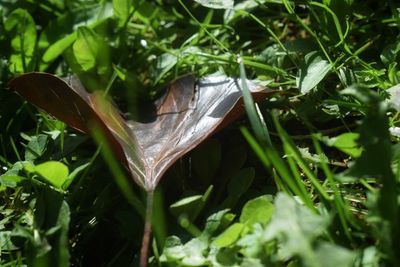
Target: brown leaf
[[66, 100], [188, 113]]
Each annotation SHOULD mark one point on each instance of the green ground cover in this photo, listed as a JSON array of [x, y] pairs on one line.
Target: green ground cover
[[308, 177]]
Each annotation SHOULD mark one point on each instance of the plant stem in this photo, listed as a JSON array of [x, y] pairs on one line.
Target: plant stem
[[144, 251]]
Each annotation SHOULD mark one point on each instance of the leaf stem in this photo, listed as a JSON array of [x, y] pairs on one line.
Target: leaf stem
[[144, 251]]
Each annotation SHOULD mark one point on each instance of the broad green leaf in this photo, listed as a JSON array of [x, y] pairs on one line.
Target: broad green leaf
[[307, 155], [394, 96], [194, 252], [184, 204], [122, 9], [162, 65], [173, 249], [12, 177], [54, 172], [253, 242], [229, 236], [217, 4], [225, 257], [217, 221], [189, 254], [73, 175], [312, 72], [295, 227], [246, 5], [61, 33], [36, 147], [11, 180], [6, 242], [91, 51], [390, 53], [330, 255], [191, 206], [57, 48], [21, 28], [347, 142], [258, 210], [370, 257]]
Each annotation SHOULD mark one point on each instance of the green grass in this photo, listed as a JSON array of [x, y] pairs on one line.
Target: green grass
[[310, 177]]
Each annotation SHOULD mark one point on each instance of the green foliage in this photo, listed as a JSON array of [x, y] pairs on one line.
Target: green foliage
[[347, 143], [310, 179], [122, 11], [90, 52], [219, 4], [21, 29], [258, 210], [313, 70], [53, 172], [294, 235]]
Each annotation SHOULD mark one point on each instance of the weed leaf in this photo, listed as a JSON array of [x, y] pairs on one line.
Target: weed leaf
[[22, 31], [347, 143], [295, 227], [122, 8], [217, 4], [53, 172], [313, 71], [258, 210], [90, 51]]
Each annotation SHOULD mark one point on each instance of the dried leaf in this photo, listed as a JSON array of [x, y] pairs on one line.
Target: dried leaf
[[187, 114]]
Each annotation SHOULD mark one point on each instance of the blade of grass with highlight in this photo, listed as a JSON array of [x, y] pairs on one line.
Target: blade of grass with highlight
[[262, 156], [338, 201], [259, 128], [281, 172], [291, 149]]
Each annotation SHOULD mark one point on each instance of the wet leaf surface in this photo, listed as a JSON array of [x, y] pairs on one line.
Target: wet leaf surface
[[186, 114]]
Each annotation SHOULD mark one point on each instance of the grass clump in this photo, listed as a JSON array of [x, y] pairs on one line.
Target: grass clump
[[309, 178]]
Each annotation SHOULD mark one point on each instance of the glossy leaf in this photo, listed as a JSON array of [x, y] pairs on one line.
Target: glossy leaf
[[122, 8], [22, 30], [53, 172], [217, 4], [258, 210], [347, 142], [394, 96], [295, 227], [185, 116], [191, 206], [73, 175], [11, 177], [229, 236], [61, 33], [36, 147], [57, 48], [330, 255], [90, 51], [11, 180], [313, 71]]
